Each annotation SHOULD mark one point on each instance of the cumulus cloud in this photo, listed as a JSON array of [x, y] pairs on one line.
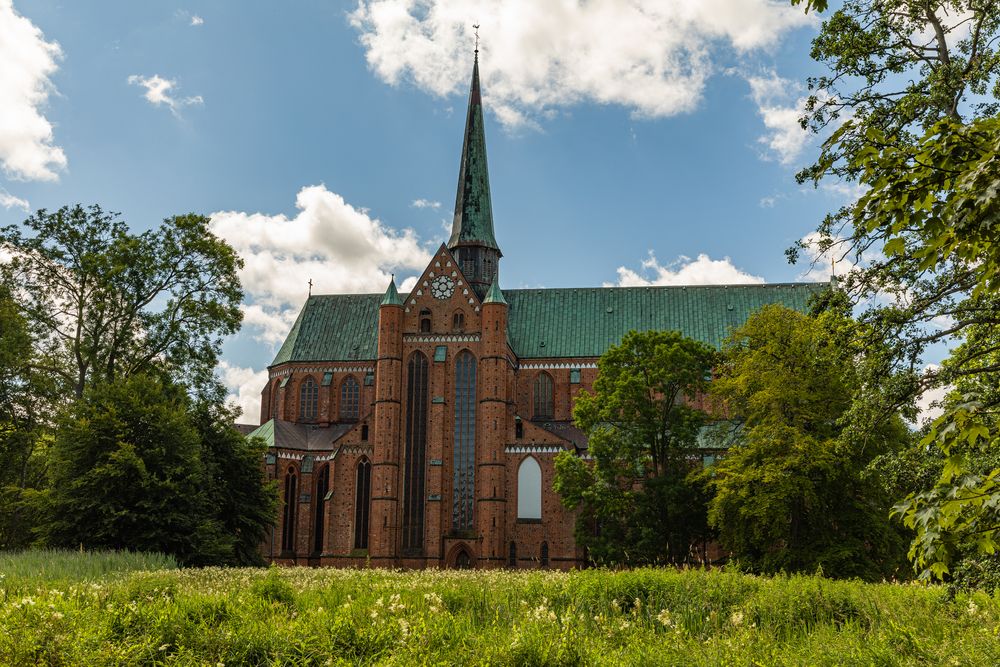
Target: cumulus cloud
[[684, 271], [425, 203], [244, 386], [341, 248], [780, 109], [27, 148], [158, 92], [9, 201], [651, 56]]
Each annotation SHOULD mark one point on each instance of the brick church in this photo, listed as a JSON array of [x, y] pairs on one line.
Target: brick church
[[419, 430]]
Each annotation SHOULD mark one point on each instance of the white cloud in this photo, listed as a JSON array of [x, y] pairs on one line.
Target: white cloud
[[341, 248], [780, 110], [244, 386], [929, 403], [158, 92], [685, 271], [651, 56], [425, 203], [9, 201], [27, 63], [197, 20]]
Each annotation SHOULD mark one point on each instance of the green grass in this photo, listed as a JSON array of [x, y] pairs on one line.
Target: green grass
[[54, 565], [301, 616]]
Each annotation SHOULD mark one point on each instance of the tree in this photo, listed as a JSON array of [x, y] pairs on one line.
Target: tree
[[26, 399], [920, 81], [636, 503], [136, 466], [107, 303], [790, 495], [242, 499]]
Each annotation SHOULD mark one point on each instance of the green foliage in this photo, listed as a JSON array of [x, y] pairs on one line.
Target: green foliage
[[133, 469], [107, 303], [636, 503], [896, 67], [306, 616], [791, 494]]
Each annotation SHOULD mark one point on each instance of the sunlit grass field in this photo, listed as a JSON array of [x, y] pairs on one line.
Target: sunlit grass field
[[106, 609]]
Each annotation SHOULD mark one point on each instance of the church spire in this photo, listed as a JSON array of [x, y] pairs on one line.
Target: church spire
[[473, 222]]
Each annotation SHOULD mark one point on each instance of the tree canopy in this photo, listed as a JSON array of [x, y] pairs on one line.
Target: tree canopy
[[642, 421], [790, 494]]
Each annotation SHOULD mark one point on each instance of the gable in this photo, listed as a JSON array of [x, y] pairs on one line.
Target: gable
[[574, 322]]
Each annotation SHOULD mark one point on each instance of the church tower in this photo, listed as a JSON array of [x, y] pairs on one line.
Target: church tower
[[472, 240]]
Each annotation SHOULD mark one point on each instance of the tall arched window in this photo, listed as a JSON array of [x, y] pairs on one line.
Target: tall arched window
[[512, 557], [465, 441], [322, 486], [458, 321], [529, 490], [362, 503], [425, 321], [308, 399], [544, 554], [289, 513], [350, 394], [415, 446], [543, 396]]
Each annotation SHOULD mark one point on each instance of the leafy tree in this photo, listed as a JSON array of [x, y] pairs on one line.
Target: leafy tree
[[920, 82], [791, 495], [636, 503], [108, 303], [242, 499], [25, 396], [135, 466]]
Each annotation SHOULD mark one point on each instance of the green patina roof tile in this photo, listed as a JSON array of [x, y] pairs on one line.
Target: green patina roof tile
[[575, 322]]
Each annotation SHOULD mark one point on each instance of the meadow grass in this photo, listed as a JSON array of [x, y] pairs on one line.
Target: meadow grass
[[56, 565], [300, 616]]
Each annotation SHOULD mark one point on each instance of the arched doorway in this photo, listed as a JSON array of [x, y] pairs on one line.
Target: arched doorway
[[460, 558]]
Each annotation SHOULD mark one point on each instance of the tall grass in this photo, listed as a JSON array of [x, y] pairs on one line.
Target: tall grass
[[55, 565], [344, 617]]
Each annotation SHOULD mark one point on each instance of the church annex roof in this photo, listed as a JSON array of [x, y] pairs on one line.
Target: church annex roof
[[552, 323]]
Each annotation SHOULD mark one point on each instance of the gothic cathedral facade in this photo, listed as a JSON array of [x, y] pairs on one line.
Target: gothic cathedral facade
[[419, 430]]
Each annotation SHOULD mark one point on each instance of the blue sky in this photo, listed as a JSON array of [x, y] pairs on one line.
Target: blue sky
[[313, 131]]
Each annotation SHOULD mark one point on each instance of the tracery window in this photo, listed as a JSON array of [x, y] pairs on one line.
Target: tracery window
[[308, 399], [289, 513], [529, 489], [415, 446], [458, 321], [350, 393], [543, 396], [322, 486], [362, 503], [465, 441]]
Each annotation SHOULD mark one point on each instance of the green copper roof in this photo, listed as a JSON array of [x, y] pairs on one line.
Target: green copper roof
[[391, 297], [265, 431], [583, 322], [495, 295], [578, 322], [473, 222], [336, 327]]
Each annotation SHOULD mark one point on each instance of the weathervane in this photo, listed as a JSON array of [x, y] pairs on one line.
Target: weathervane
[[310, 287], [476, 26]]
